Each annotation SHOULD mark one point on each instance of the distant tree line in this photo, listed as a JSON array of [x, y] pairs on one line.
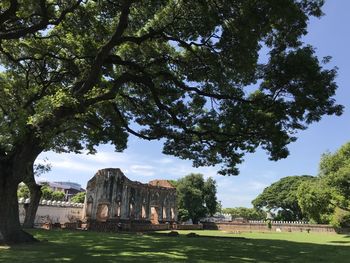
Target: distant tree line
[[49, 194], [246, 213]]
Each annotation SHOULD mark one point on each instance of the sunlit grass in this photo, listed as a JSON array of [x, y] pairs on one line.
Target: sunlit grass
[[303, 237], [83, 246]]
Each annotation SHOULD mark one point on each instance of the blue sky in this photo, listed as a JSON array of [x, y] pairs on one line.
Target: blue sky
[[143, 161]]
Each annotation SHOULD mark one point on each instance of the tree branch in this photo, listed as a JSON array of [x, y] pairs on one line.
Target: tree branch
[[8, 13], [18, 32], [103, 53], [126, 126]]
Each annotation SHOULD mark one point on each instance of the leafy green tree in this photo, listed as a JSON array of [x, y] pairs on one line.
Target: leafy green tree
[[196, 197], [340, 218], [47, 192], [183, 214], [23, 191], [313, 199], [79, 73], [219, 208], [327, 200], [79, 197], [282, 197], [335, 173], [246, 213], [58, 196], [210, 199]]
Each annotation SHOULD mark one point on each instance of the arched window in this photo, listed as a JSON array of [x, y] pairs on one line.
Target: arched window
[[143, 212], [118, 212], [102, 212]]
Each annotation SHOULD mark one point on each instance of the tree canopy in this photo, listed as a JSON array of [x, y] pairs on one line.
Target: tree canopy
[[246, 213], [335, 173], [313, 199], [75, 74], [49, 194], [328, 199], [23, 191], [176, 69], [79, 197], [282, 197], [196, 197]]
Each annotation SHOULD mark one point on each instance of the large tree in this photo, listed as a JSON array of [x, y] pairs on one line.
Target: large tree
[[79, 73], [335, 173], [282, 197], [196, 197], [314, 200], [328, 199]]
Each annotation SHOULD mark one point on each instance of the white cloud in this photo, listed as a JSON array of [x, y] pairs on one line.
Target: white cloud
[[256, 186], [165, 161], [232, 190], [143, 170]]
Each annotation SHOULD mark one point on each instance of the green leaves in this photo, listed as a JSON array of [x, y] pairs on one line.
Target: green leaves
[[335, 173], [282, 196], [246, 213], [191, 73], [326, 199], [313, 199], [47, 106], [79, 197], [196, 197]]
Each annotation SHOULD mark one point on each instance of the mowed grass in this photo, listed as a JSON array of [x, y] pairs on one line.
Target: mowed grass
[[215, 246]]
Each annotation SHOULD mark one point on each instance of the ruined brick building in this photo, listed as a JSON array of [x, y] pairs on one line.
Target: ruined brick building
[[111, 196]]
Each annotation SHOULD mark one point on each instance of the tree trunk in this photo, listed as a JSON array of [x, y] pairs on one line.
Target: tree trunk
[[14, 167], [10, 228], [35, 195]]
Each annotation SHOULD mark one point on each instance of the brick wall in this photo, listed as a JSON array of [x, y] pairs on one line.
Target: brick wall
[[125, 225], [190, 227], [282, 227]]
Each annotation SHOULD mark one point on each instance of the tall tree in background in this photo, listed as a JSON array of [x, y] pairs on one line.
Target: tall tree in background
[[76, 74], [79, 197], [282, 197], [335, 173], [196, 197], [328, 200], [314, 201], [210, 199]]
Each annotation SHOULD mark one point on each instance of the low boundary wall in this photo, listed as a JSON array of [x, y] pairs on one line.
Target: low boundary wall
[[68, 215], [124, 225], [275, 227], [189, 227], [54, 213], [136, 226]]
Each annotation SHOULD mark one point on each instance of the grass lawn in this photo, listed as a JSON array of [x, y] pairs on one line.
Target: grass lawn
[[83, 246]]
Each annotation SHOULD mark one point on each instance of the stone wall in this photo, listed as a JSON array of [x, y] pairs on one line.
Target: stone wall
[[125, 225], [276, 227], [112, 197], [189, 227], [54, 212]]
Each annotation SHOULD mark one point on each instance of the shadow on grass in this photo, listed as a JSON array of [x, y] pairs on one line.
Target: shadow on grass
[[79, 246], [167, 234]]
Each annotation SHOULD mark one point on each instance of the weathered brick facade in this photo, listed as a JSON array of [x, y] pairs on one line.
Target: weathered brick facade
[[111, 198]]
